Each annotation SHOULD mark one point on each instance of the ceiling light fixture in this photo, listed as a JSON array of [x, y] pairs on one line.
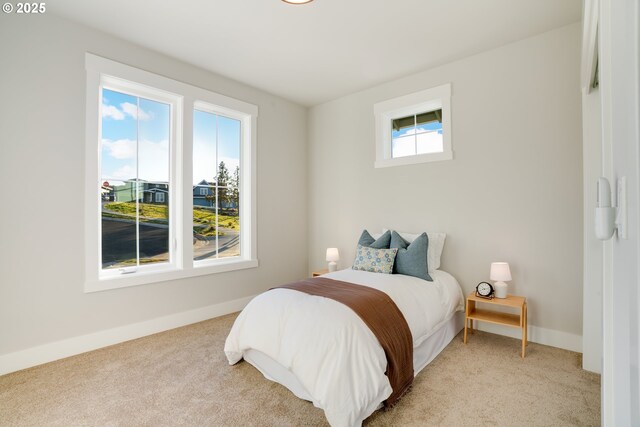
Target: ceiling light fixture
[[297, 1]]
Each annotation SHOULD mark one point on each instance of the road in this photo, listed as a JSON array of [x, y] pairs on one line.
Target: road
[[119, 243], [229, 245]]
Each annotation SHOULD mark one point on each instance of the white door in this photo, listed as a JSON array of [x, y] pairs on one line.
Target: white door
[[620, 90]]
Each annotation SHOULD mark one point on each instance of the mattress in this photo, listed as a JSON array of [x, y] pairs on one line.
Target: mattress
[[323, 352], [423, 354]]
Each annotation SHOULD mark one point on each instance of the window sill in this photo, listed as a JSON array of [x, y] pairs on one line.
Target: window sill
[[412, 160], [170, 273]]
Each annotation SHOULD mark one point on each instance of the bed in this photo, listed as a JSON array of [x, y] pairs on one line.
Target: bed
[[324, 353]]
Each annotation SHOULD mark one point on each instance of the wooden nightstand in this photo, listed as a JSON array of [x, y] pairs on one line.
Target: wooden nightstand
[[508, 319], [319, 272]]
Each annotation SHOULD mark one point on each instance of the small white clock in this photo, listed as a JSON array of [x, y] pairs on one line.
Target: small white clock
[[484, 290]]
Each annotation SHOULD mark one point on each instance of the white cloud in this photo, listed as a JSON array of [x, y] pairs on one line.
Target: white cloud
[[132, 110], [153, 160], [424, 143], [204, 161], [112, 112], [205, 165], [126, 109], [120, 149], [125, 172]]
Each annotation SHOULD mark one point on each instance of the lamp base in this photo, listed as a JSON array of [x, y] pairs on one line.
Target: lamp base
[[333, 266], [501, 289]]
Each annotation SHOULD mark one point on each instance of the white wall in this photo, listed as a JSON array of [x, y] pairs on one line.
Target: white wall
[[41, 188], [512, 193]]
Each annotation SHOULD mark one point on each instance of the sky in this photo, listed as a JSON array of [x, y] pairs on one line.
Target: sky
[[421, 139], [205, 161], [130, 133]]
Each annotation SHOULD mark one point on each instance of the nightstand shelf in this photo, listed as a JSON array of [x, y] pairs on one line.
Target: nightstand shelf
[[497, 317], [506, 319]]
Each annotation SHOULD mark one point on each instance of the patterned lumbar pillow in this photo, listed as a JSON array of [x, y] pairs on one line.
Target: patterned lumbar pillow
[[381, 243], [375, 260], [412, 257]]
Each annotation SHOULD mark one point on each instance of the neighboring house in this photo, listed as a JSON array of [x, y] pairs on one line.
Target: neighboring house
[[203, 194], [154, 193], [158, 193]]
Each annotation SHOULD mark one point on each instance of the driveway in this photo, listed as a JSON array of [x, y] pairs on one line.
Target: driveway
[[119, 243]]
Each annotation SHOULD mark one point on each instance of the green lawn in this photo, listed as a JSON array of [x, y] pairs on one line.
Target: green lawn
[[146, 210], [158, 213]]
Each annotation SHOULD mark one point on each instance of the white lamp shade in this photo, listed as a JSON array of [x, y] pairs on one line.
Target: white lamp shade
[[333, 255], [500, 272]]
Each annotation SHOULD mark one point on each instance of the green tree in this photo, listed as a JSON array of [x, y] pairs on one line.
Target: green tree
[[235, 187], [223, 180]]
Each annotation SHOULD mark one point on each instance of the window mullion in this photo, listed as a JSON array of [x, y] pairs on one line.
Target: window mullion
[[217, 190], [415, 133], [184, 169], [137, 181]]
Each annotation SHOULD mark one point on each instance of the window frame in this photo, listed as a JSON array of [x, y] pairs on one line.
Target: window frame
[[100, 70], [174, 101], [413, 104], [208, 107]]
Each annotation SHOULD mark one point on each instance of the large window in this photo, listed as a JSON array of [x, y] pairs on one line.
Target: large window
[[135, 146], [216, 170], [415, 128], [170, 179]]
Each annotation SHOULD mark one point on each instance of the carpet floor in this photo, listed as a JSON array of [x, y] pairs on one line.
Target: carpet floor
[[181, 378]]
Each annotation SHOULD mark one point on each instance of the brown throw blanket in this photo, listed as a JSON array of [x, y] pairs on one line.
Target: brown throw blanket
[[378, 311]]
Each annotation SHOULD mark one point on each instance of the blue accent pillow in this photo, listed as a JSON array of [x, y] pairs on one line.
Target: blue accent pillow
[[411, 259], [383, 241], [374, 260]]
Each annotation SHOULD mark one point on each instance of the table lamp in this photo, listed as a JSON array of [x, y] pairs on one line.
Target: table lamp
[[333, 256], [500, 273]]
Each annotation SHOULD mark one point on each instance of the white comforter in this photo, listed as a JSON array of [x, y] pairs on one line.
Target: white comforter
[[334, 355]]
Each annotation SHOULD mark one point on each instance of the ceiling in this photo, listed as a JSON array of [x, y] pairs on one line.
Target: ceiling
[[325, 49]]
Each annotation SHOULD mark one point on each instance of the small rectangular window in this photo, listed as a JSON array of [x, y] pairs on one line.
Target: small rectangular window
[[415, 128]]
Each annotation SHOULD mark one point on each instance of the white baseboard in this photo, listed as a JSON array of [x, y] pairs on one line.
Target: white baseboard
[[551, 337], [34, 356]]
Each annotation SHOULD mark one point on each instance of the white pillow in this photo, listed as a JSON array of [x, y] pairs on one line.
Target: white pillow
[[434, 251]]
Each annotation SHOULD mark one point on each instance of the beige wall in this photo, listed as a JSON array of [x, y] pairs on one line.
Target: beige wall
[[593, 265], [42, 140], [512, 193]]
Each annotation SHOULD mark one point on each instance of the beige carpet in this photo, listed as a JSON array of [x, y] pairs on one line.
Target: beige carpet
[[181, 377]]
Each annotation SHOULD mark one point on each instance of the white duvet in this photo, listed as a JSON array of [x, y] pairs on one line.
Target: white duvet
[[334, 355]]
